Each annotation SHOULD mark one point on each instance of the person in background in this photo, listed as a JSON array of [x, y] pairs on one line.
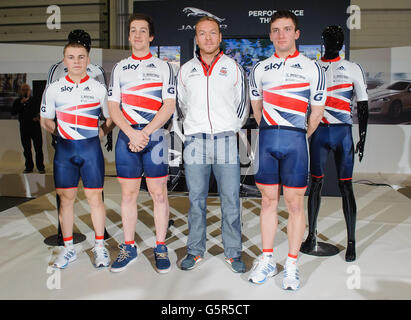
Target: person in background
[[28, 110]]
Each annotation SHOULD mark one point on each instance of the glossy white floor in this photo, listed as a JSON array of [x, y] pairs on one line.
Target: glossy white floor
[[382, 269]]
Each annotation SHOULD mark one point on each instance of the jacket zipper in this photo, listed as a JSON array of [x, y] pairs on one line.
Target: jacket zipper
[[208, 106]]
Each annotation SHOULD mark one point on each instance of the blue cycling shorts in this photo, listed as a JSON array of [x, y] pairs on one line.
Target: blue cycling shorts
[[152, 160], [337, 138], [78, 158], [282, 157]]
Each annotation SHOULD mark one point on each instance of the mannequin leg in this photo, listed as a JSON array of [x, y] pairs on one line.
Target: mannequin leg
[[350, 215], [314, 203]]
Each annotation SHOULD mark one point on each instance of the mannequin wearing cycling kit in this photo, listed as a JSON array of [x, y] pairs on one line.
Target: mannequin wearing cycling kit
[[344, 79]]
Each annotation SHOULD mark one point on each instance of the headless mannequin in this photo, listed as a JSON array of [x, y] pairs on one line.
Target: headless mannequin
[[333, 37]]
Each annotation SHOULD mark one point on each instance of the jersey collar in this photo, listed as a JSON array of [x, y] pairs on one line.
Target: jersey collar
[[81, 81], [331, 60], [295, 54], [148, 56]]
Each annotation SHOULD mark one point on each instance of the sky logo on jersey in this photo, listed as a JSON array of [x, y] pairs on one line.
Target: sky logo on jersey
[[297, 66], [65, 88], [130, 66], [273, 66]]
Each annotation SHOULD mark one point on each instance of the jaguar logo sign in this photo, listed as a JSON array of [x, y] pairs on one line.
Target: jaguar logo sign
[[198, 13], [190, 11]]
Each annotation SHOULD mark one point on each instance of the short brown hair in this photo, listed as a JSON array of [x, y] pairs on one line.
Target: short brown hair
[[207, 18], [141, 16], [74, 45], [285, 14]]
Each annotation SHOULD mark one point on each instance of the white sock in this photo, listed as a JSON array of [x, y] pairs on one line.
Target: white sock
[[268, 254], [291, 260], [99, 241], [68, 243]]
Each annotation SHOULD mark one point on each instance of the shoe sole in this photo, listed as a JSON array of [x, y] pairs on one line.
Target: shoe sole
[[116, 270], [162, 271], [291, 288], [102, 265], [270, 275], [194, 265]]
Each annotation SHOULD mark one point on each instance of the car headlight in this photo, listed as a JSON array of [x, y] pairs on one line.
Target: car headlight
[[384, 99]]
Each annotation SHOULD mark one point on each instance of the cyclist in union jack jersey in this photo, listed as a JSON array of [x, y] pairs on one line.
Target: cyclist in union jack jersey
[[76, 101], [141, 100], [281, 88]]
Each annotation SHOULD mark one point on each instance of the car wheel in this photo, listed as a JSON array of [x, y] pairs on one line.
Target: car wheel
[[395, 109]]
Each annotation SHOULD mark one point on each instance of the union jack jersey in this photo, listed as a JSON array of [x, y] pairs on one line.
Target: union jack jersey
[[343, 79], [76, 106], [287, 86], [140, 85]]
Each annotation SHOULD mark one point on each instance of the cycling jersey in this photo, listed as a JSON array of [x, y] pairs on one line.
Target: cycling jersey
[[213, 99], [287, 86], [343, 79], [59, 70], [141, 85], [76, 106]]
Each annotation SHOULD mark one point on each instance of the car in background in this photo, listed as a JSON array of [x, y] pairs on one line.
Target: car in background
[[390, 101]]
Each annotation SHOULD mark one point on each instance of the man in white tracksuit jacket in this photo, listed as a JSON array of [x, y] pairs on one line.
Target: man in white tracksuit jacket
[[212, 95]]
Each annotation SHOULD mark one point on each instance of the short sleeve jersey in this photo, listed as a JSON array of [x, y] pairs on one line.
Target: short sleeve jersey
[[59, 70], [140, 85], [76, 106], [344, 78], [287, 86]]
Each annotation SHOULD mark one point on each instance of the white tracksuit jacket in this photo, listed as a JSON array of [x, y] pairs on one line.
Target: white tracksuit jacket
[[214, 98]]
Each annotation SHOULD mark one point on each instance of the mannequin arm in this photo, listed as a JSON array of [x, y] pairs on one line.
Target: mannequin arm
[[362, 126]]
